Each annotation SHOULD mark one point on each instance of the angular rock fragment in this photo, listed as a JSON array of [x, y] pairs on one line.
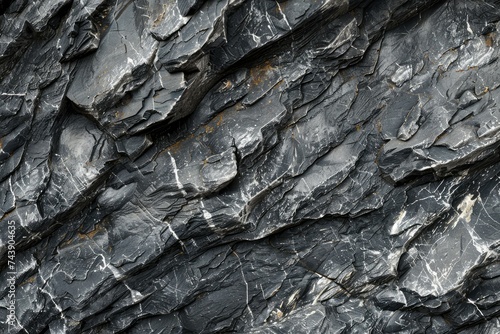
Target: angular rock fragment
[[250, 166]]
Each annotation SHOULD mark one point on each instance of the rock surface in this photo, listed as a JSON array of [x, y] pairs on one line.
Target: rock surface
[[258, 166]]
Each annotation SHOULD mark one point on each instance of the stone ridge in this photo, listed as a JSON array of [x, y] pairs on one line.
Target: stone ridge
[[258, 166]]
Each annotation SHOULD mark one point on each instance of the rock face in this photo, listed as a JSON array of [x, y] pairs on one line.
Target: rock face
[[258, 166]]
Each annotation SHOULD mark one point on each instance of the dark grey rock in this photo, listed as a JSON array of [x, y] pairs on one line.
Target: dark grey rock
[[390, 299], [250, 166], [188, 7]]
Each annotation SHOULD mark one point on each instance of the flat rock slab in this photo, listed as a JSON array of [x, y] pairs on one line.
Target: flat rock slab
[[259, 166]]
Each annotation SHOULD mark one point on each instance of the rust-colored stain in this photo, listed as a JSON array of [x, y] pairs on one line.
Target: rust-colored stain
[[468, 69], [219, 120], [175, 147], [91, 234], [160, 17], [226, 85], [67, 243], [485, 90], [209, 129], [280, 7], [259, 73], [279, 83], [29, 280], [379, 126], [488, 40], [379, 153], [239, 106]]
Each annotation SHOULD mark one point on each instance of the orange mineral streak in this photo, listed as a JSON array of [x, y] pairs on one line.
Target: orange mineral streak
[[29, 280], [259, 73], [160, 17], [209, 129], [220, 119], [176, 147], [488, 39], [91, 234]]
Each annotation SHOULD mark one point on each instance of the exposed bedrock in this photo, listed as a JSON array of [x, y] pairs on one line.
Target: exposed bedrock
[[258, 166]]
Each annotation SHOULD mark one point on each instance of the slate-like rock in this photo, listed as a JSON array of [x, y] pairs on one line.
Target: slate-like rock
[[251, 166]]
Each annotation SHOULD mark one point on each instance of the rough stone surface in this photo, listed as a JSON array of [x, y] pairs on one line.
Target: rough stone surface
[[258, 166]]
